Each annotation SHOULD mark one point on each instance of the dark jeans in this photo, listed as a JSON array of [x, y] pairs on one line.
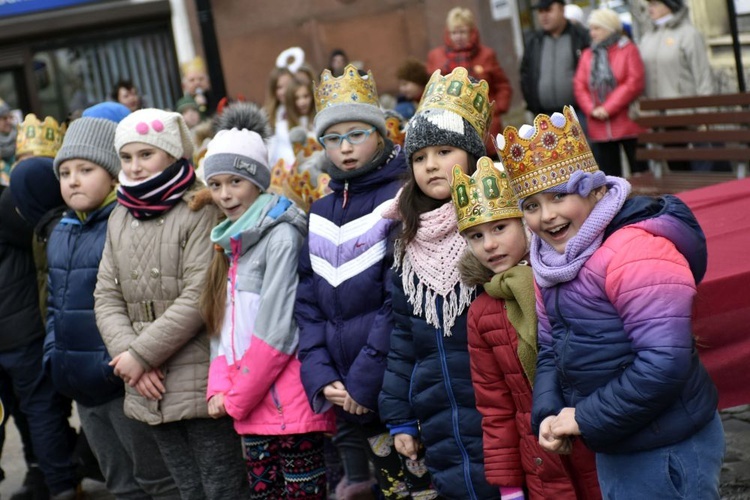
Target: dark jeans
[[46, 412], [607, 156]]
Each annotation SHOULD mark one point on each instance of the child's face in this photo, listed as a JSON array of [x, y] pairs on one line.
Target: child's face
[[232, 194], [303, 100], [192, 117], [410, 90], [281, 84], [557, 217], [433, 169], [139, 161], [498, 245], [129, 97], [195, 80], [347, 156], [84, 185]]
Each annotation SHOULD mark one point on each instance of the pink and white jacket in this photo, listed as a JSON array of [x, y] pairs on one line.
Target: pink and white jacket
[[254, 360]]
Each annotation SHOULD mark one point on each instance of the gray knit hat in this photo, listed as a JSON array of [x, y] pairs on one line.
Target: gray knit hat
[[238, 152], [350, 112], [91, 139], [440, 127], [4, 108]]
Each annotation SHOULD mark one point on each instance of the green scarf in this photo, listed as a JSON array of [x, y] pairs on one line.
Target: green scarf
[[222, 234], [516, 287], [111, 198]]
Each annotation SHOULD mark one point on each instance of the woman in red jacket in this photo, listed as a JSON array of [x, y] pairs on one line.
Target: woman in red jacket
[[502, 329], [608, 80], [462, 48]]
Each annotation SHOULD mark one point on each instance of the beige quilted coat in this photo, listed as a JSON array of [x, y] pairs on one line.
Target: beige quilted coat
[[150, 278]]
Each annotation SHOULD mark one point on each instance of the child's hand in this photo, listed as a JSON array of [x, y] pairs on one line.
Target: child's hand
[[216, 406], [127, 368], [407, 445], [150, 385], [549, 441], [353, 407], [565, 423], [335, 393]]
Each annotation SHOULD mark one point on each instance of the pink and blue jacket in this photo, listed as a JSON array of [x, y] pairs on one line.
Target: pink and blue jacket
[[616, 342], [254, 360]]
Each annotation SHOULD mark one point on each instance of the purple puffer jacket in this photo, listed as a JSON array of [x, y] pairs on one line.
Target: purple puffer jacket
[[616, 342]]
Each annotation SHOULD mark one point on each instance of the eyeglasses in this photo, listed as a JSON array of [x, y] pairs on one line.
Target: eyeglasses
[[330, 141]]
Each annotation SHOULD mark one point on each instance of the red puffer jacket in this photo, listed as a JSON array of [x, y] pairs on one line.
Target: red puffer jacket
[[627, 67], [512, 455]]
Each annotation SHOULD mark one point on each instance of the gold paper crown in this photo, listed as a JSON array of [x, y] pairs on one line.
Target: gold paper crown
[[37, 138], [484, 197], [349, 88], [195, 65], [394, 130], [456, 93], [300, 189], [549, 157]]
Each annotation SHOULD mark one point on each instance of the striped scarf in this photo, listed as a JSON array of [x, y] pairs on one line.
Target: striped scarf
[[158, 194]]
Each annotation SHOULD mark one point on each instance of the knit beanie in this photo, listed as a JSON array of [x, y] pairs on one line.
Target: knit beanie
[[333, 108], [606, 19], [238, 152], [4, 108], [441, 127], [90, 139], [35, 188], [113, 111], [165, 130]]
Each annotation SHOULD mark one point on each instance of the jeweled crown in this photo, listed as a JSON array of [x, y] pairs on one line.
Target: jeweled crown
[[548, 157], [349, 88], [456, 93], [484, 197], [36, 138]]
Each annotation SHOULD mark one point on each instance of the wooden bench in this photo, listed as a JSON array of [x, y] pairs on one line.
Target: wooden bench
[[723, 121]]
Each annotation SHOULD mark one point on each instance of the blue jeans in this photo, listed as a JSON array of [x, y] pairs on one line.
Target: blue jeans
[[689, 469], [46, 412]]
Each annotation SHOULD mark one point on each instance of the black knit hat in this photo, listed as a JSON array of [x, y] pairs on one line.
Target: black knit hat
[[440, 127]]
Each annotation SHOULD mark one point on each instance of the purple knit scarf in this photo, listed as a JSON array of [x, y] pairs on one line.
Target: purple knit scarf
[[551, 267]]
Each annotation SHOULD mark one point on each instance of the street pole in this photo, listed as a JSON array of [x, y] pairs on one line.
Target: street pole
[[736, 45], [211, 50]]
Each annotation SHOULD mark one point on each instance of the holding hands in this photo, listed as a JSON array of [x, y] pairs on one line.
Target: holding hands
[[337, 394], [555, 432]]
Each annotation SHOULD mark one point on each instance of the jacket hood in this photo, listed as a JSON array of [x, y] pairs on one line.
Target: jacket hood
[[390, 171], [279, 210], [678, 18], [668, 217], [473, 273]]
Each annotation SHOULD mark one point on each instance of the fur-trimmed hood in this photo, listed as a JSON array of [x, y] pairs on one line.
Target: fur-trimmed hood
[[473, 273]]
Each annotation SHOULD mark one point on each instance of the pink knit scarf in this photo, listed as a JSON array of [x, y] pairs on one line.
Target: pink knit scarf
[[432, 257]]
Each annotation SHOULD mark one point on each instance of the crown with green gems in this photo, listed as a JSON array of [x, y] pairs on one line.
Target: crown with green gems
[[484, 197], [456, 93], [548, 158], [349, 88]]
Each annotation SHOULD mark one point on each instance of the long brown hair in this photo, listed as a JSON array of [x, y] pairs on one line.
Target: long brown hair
[[290, 101], [213, 301], [272, 103], [413, 202]]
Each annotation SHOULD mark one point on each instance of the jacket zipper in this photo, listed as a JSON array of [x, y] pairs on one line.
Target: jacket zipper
[[454, 415], [275, 397], [346, 194]]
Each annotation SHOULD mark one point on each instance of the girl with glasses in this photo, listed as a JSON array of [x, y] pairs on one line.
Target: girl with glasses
[[343, 306]]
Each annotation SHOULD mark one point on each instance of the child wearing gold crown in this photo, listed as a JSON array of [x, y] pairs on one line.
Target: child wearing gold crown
[[617, 363], [427, 397], [343, 305], [502, 327]]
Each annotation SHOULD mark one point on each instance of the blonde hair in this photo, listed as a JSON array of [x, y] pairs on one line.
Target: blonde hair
[[459, 16]]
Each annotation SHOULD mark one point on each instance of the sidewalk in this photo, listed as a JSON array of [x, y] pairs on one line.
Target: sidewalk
[[735, 475]]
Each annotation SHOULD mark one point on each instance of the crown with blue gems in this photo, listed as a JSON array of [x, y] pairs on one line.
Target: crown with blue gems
[[348, 88], [456, 93], [39, 138], [547, 155], [484, 197]]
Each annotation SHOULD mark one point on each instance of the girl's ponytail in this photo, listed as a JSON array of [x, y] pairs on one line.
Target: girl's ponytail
[[213, 299]]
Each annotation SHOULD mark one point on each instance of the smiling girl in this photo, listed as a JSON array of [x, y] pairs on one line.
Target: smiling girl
[[248, 303]]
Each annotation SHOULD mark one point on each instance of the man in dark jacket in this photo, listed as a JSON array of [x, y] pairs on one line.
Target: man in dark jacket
[[550, 59]]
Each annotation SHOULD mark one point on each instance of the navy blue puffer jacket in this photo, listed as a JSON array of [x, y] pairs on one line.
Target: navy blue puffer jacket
[[74, 352], [428, 381]]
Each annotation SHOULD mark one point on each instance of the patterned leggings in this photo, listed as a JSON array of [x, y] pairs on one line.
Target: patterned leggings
[[291, 466]]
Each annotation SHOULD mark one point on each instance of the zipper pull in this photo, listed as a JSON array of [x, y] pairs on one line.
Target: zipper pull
[[346, 194]]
